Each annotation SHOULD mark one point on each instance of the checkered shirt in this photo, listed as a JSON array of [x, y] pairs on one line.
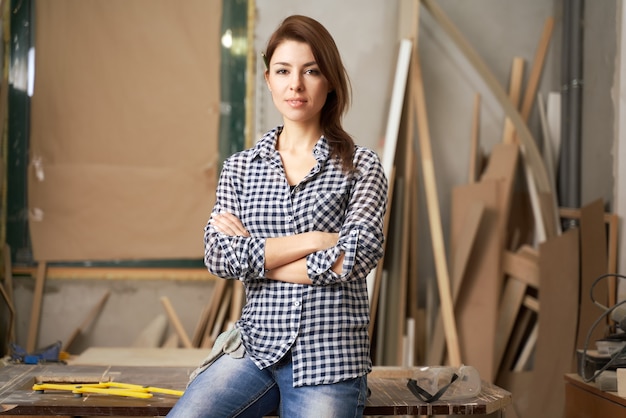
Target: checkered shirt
[[324, 324]]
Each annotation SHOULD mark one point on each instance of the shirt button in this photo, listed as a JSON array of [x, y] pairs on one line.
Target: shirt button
[[289, 218], [320, 270], [296, 303]]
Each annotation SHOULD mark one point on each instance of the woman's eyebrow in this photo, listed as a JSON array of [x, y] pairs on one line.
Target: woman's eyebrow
[[286, 64]]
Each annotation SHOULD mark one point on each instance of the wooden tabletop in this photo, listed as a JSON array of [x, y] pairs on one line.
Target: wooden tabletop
[[389, 393], [576, 380]]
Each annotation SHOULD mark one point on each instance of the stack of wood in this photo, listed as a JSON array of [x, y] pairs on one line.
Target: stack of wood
[[513, 287]]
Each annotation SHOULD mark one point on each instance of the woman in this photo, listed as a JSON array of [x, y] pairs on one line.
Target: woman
[[299, 220]]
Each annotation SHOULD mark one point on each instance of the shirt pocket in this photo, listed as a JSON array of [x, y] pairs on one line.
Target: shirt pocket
[[328, 211]]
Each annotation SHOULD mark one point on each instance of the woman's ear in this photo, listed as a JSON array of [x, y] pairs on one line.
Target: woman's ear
[[267, 80]]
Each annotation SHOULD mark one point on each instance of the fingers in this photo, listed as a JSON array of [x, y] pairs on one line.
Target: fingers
[[228, 224]]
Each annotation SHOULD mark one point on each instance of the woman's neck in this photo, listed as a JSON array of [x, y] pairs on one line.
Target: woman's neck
[[296, 138]]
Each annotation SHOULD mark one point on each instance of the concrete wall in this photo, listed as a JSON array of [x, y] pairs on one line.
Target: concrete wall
[[367, 32]]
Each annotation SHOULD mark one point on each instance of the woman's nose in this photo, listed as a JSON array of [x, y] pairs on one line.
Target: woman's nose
[[296, 83]]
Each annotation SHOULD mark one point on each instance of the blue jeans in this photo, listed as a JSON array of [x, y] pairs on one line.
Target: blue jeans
[[233, 387]]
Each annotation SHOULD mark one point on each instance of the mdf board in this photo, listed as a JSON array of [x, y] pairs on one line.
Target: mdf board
[[124, 128], [477, 307], [593, 249], [558, 297]]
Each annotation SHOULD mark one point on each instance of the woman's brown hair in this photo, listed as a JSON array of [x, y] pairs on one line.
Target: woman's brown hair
[[310, 31]]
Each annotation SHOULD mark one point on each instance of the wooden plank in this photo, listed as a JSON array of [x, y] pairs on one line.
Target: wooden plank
[[531, 303], [397, 102], [151, 336], [557, 331], [413, 309], [537, 68], [612, 222], [236, 305], [522, 267], [172, 341], [434, 215], [549, 162], [375, 299], [175, 321], [391, 138], [7, 290], [9, 336], [8, 272], [475, 154], [393, 327], [206, 322], [91, 316], [613, 232], [461, 254], [478, 302], [405, 161], [525, 356], [593, 252], [218, 326], [515, 86], [523, 271], [510, 304], [119, 273], [525, 322], [553, 116], [35, 313], [502, 167]]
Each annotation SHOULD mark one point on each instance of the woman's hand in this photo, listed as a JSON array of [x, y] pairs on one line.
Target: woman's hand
[[228, 224]]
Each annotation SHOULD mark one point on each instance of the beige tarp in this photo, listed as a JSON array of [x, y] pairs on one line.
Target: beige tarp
[[124, 128]]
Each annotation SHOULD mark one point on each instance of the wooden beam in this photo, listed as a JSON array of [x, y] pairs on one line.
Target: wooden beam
[[461, 256], [119, 273], [531, 303], [7, 290], [35, 313], [175, 321], [510, 303], [515, 85], [93, 313], [432, 203], [535, 73], [207, 320], [522, 267], [475, 154]]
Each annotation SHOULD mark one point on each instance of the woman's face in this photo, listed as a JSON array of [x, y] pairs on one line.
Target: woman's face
[[298, 87]]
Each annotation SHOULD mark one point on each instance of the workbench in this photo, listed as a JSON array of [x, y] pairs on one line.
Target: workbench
[[586, 399], [389, 395]]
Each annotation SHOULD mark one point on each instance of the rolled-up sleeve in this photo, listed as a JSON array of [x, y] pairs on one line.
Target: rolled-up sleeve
[[231, 256], [361, 237]]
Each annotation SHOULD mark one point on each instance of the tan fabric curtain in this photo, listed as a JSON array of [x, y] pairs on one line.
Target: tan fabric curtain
[[124, 128]]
